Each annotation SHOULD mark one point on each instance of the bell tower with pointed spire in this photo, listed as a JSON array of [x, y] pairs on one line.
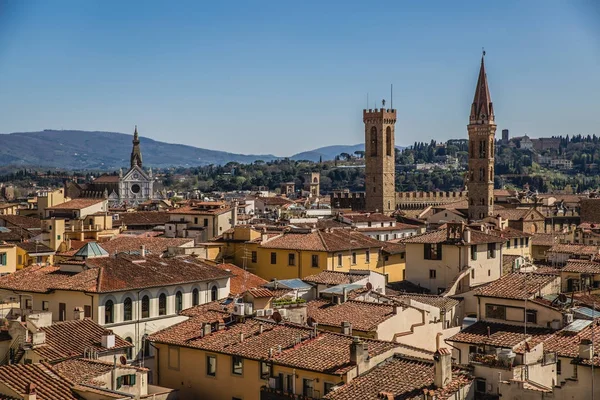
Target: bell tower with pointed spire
[[136, 153], [482, 130]]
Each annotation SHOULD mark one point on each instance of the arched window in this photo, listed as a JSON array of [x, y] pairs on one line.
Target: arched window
[[315, 180], [178, 302], [481, 175], [109, 315], [373, 141], [482, 148], [127, 309], [472, 176], [214, 293], [388, 141], [195, 297], [145, 307], [491, 173], [162, 304], [129, 349]]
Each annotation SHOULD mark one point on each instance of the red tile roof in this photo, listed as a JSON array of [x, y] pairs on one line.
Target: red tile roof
[[48, 384], [327, 352], [241, 280], [401, 377], [76, 204], [329, 241], [518, 285], [501, 335], [155, 245], [543, 239], [60, 343], [571, 248], [364, 316], [111, 274], [260, 293], [143, 218], [333, 278], [107, 179], [441, 236], [22, 222], [87, 371], [582, 267], [369, 217], [566, 343]]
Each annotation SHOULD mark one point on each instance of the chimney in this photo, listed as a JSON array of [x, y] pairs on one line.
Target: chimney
[[499, 219], [467, 235], [206, 329], [30, 392], [263, 235], [143, 251], [241, 337], [359, 355], [78, 313], [260, 328], [346, 328], [585, 349], [344, 294], [442, 364], [108, 339]]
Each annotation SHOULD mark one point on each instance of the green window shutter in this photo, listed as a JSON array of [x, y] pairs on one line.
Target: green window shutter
[[119, 382], [132, 380]]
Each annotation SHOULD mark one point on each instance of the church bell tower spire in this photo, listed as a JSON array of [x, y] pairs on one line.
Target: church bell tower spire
[[482, 130], [136, 153]]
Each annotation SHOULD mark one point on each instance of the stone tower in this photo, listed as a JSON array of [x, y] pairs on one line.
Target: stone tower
[[380, 160], [136, 153], [482, 129]]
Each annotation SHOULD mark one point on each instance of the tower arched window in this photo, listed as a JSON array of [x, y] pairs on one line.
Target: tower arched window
[[145, 307], [178, 302], [388, 142], [195, 297], [373, 141], [214, 293], [482, 149], [492, 147], [109, 312], [127, 309], [481, 175], [472, 202], [491, 173], [162, 304], [472, 176]]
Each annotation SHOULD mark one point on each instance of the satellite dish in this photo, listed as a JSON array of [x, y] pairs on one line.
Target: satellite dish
[[562, 298], [311, 321], [123, 360], [369, 286], [276, 317]]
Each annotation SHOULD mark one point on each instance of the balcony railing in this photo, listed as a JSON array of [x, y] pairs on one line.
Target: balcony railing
[[490, 360]]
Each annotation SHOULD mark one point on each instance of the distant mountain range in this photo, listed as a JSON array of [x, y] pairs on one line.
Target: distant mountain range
[[110, 150]]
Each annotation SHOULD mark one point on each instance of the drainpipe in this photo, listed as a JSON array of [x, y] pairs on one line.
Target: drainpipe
[[299, 264], [113, 373], [156, 364]]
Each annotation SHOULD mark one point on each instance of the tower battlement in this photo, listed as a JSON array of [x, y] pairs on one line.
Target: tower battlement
[[372, 114]]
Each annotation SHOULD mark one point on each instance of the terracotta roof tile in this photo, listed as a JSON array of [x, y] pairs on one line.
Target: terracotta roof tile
[[576, 249], [105, 178], [144, 218], [363, 316], [60, 343], [87, 371], [501, 335], [582, 266], [441, 302], [35, 248], [49, 385], [76, 204], [518, 285], [566, 343], [260, 293], [440, 236], [329, 241], [20, 221], [327, 352], [241, 280], [543, 239], [401, 377], [333, 278], [369, 217], [110, 274], [154, 245]]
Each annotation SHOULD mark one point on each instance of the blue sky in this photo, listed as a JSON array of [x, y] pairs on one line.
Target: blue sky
[[282, 77]]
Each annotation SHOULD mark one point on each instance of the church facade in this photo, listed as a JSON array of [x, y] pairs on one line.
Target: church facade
[[125, 189]]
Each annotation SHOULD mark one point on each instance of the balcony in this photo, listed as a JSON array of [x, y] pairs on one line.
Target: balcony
[[267, 393], [491, 360]]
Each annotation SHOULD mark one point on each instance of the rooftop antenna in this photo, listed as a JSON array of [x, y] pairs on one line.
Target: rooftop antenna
[[392, 96]]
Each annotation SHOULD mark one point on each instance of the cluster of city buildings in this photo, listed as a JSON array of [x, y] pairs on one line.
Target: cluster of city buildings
[[111, 292]]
